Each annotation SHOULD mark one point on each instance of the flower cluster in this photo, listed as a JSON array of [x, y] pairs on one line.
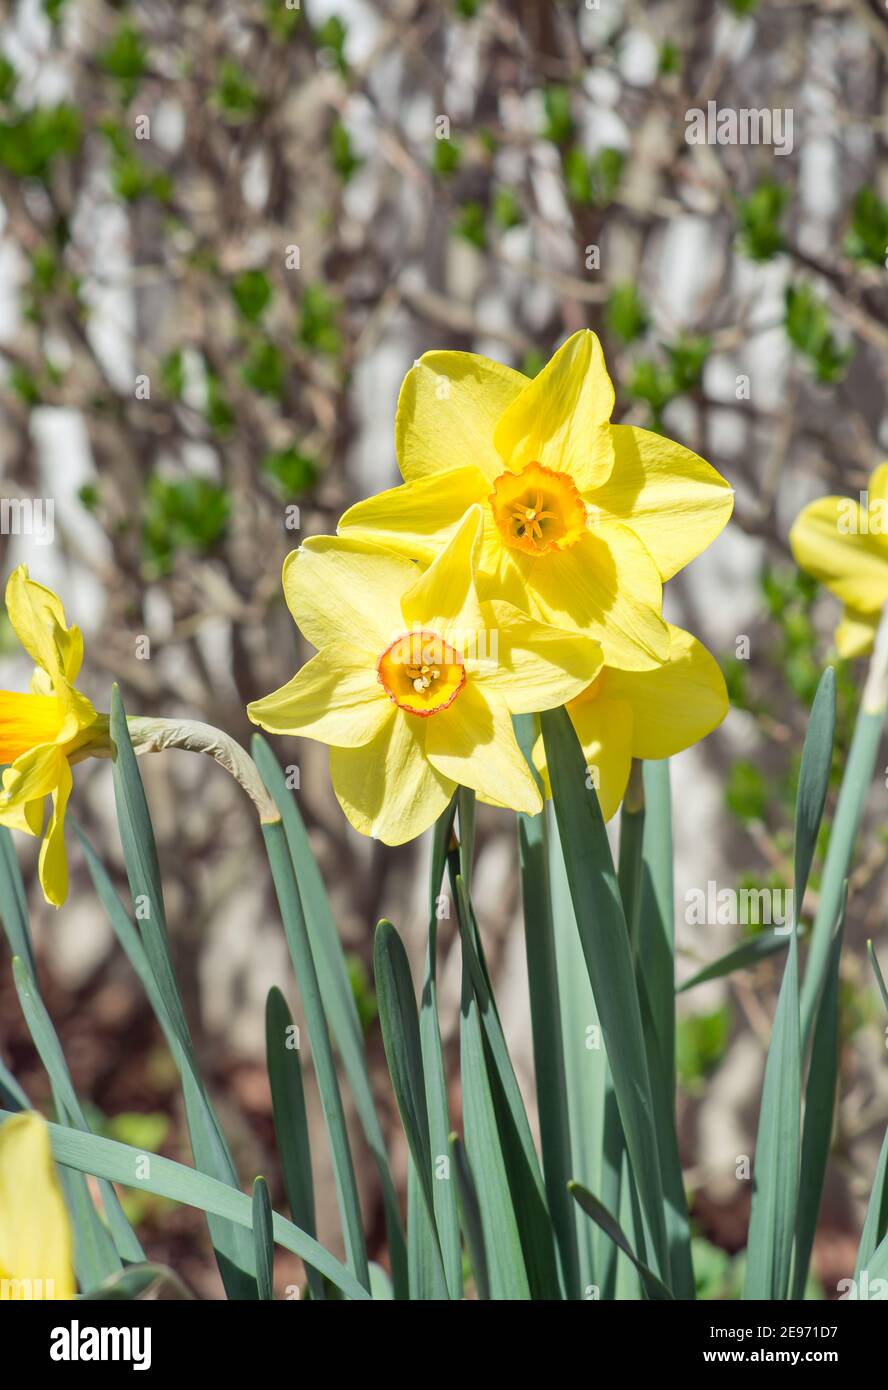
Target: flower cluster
[[518, 567]]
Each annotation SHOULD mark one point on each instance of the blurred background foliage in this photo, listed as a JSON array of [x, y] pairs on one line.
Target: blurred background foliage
[[226, 232]]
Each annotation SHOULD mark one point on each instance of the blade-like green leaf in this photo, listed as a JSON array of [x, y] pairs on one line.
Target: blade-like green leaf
[[876, 1221], [856, 783], [336, 993], [399, 1023], [106, 1158], [596, 1135], [654, 1287], [46, 1041], [519, 1153], [877, 972], [136, 1281], [758, 947], [599, 915], [473, 1226], [425, 1272], [263, 1238], [776, 1169], [545, 1017], [13, 904], [234, 1249], [820, 1104], [290, 1119], [814, 780], [321, 1049], [505, 1258]]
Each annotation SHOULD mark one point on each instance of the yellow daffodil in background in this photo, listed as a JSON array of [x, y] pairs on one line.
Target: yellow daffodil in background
[[644, 714], [583, 520], [44, 731], [35, 1234], [415, 680], [845, 545]]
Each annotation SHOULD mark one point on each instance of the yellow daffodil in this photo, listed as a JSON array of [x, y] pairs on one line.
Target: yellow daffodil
[[583, 520], [44, 731], [644, 714], [35, 1234], [843, 542], [415, 680]]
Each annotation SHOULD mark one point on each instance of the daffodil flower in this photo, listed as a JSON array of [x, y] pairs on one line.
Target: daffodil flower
[[583, 520], [644, 714], [35, 1234], [46, 730], [845, 545], [415, 680]]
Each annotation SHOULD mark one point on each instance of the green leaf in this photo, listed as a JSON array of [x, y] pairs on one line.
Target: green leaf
[[602, 927], [814, 780], [336, 993], [506, 1270], [654, 1287], [263, 1237], [290, 1120], [234, 1251], [515, 1137], [820, 1104], [46, 1041], [867, 237], [876, 1221], [759, 217], [545, 1016], [744, 957], [472, 1223], [778, 1143], [106, 1158], [252, 293], [400, 1035], [444, 1194], [135, 1281], [877, 972], [625, 312], [322, 1052], [809, 328], [856, 785]]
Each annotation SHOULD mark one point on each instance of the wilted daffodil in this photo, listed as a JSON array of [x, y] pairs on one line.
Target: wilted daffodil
[[843, 542], [583, 520], [43, 732], [35, 1234], [415, 681], [644, 714]]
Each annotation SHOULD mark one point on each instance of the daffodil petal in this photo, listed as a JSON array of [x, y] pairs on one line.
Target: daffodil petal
[[53, 862], [561, 419], [678, 703], [335, 698], [448, 408], [35, 1233], [473, 743], [536, 666], [604, 728], [673, 500], [856, 634], [38, 620], [829, 541], [609, 588], [389, 789], [27, 816], [877, 488], [443, 599], [33, 775], [345, 590], [416, 519]]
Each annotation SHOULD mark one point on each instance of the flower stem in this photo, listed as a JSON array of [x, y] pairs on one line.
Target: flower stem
[[154, 735]]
